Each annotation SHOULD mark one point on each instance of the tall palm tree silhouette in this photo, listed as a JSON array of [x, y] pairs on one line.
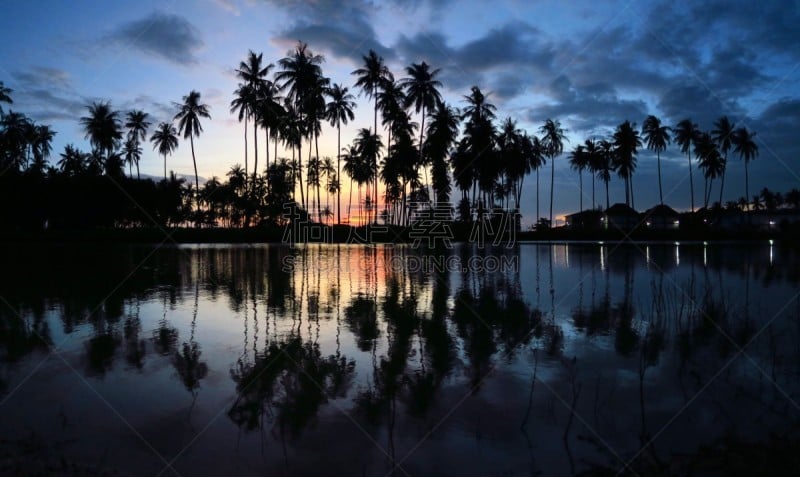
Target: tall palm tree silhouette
[[722, 134], [188, 117], [165, 140], [370, 77], [710, 161], [242, 104], [442, 134], [626, 141], [578, 160], [686, 133], [102, 127], [300, 74], [137, 124], [132, 153], [553, 142], [422, 92], [605, 164], [253, 74], [745, 146], [592, 151], [657, 137], [339, 110]]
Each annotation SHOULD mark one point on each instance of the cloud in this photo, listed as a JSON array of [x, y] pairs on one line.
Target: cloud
[[167, 36], [47, 94]]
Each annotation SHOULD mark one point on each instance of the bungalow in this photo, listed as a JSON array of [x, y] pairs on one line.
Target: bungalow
[[662, 217], [588, 219], [621, 216]]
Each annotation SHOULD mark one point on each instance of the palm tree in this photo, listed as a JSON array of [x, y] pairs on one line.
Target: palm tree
[[132, 153], [339, 110], [253, 74], [369, 147], [711, 162], [73, 162], [42, 144], [102, 127], [243, 101], [685, 135], [723, 135], [626, 141], [592, 151], [422, 92], [578, 160], [165, 140], [442, 134], [370, 77], [605, 164], [553, 142], [188, 117], [300, 74], [5, 97], [536, 157], [137, 124], [746, 148], [657, 137]]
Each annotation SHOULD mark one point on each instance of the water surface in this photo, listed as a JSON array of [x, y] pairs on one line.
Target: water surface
[[345, 359]]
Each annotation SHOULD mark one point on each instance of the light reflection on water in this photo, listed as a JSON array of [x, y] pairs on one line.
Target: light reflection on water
[[341, 359]]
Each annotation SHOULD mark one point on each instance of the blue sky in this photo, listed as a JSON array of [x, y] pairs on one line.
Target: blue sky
[[589, 64]]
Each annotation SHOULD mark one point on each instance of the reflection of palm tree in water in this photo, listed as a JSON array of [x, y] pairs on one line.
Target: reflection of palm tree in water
[[187, 361]]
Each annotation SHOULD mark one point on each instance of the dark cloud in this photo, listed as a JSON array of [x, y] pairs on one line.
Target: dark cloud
[[47, 94], [587, 110], [697, 102], [167, 36]]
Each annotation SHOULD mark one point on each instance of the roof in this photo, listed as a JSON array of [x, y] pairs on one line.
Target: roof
[[662, 211], [621, 210]]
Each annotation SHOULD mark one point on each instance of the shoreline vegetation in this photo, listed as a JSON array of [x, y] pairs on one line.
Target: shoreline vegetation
[[460, 165]]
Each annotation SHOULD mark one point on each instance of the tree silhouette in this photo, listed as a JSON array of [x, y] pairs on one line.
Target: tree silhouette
[[578, 160], [137, 124], [339, 110], [685, 135], [5, 97], [657, 137], [165, 140], [746, 148], [188, 117], [626, 141], [102, 127], [723, 135], [553, 137]]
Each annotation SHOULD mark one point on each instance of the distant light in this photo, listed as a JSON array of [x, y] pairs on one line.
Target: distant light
[[677, 222], [772, 222], [705, 221], [601, 242], [649, 223], [677, 243], [771, 241], [705, 244]]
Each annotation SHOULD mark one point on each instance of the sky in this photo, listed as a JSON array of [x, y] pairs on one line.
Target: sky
[[591, 65]]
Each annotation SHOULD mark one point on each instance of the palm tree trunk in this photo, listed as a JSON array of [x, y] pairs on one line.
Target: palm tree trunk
[[594, 202], [375, 160], [537, 195], [246, 118], [660, 193], [300, 171], [627, 193], [350, 202], [746, 182], [722, 181], [552, 183], [339, 172], [319, 176], [607, 201], [165, 167], [691, 181], [421, 159], [580, 181], [196, 179], [137, 171], [630, 181], [255, 155]]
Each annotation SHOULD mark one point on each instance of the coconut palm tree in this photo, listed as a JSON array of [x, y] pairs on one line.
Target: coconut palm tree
[[5, 97], [102, 127], [534, 151], [339, 110], [710, 162], [43, 142], [592, 151], [745, 146], [605, 164], [300, 76], [657, 137], [723, 135], [369, 79], [686, 133], [442, 135], [165, 140], [578, 160], [137, 124], [553, 142], [132, 153], [626, 141], [73, 162], [369, 147], [189, 114], [242, 103], [253, 74], [421, 87]]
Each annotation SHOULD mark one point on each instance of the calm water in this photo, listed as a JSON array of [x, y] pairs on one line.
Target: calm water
[[353, 360]]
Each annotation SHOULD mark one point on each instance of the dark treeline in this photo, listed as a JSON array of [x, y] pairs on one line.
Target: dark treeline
[[419, 163]]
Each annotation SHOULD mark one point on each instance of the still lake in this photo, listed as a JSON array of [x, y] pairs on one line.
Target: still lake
[[373, 360]]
